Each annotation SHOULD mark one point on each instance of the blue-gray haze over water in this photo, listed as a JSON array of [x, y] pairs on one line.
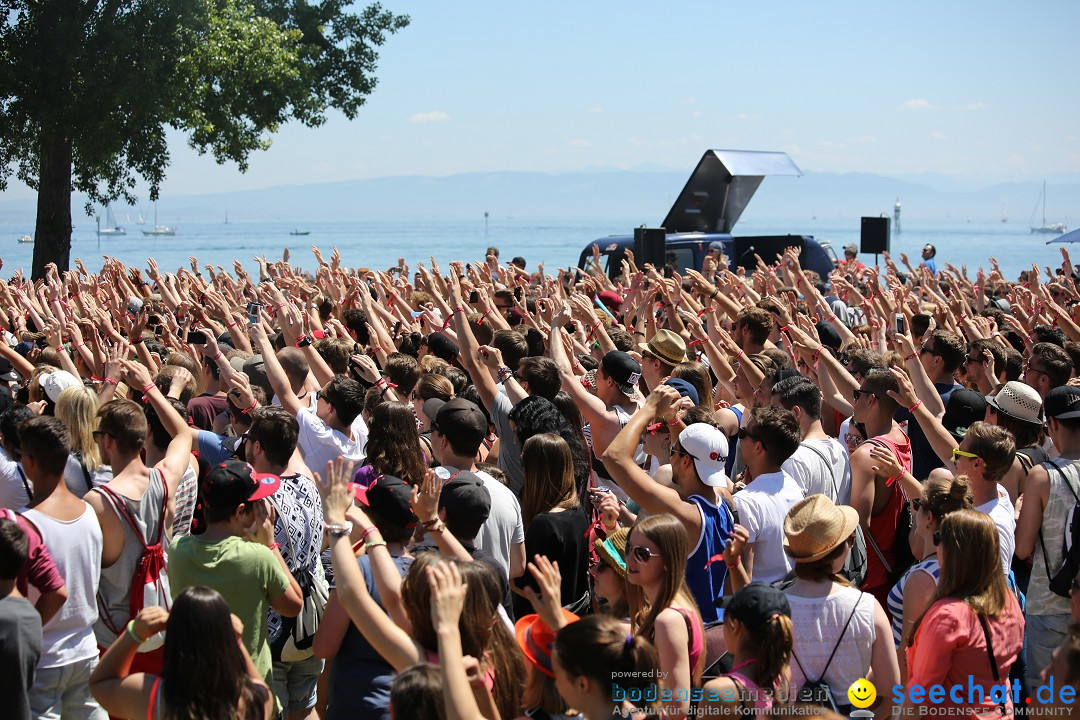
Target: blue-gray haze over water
[[378, 244]]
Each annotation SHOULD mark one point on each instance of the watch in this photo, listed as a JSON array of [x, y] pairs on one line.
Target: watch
[[304, 341]]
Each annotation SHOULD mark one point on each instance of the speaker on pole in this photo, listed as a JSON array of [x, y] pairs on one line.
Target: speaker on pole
[[650, 245], [875, 235]]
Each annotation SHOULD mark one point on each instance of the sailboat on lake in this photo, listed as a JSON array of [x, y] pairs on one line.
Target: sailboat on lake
[[159, 230], [1052, 228], [112, 228]]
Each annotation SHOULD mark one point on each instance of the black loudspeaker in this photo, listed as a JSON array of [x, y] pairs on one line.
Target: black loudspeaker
[[649, 247], [769, 248], [875, 235]]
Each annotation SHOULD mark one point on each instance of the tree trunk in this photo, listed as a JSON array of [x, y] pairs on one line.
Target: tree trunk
[[52, 240]]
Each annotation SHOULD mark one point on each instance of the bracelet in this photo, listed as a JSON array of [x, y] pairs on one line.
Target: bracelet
[[916, 405], [372, 529], [504, 373], [738, 355], [137, 341], [714, 294], [338, 529], [111, 381], [737, 563], [275, 546], [232, 324], [374, 544], [430, 523], [131, 632], [149, 386], [638, 332], [247, 411], [217, 357], [912, 356]]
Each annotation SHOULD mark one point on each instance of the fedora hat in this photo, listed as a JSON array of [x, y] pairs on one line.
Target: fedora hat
[[666, 346], [1019, 401], [816, 526], [612, 551]]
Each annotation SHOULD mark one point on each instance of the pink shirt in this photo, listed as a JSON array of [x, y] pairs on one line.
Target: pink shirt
[[950, 646]]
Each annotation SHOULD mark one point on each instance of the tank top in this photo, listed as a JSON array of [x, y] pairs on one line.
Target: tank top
[[639, 452], [114, 590], [187, 493], [818, 622], [76, 549], [1055, 516], [883, 525], [762, 699], [696, 643], [733, 444], [929, 566], [705, 569]]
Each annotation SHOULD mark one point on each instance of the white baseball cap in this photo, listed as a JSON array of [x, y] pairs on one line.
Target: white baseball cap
[[709, 448]]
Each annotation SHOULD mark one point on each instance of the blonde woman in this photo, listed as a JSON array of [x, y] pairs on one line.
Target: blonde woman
[[77, 407]]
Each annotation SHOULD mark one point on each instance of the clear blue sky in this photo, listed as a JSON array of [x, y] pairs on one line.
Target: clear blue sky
[[983, 90]]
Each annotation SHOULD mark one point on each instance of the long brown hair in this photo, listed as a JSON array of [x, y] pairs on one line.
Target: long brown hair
[[669, 535], [697, 375], [971, 564], [394, 442], [483, 633], [598, 648], [771, 649], [549, 476]]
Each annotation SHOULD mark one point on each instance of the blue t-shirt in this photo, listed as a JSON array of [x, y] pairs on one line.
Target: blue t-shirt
[[215, 449], [705, 569], [360, 679]]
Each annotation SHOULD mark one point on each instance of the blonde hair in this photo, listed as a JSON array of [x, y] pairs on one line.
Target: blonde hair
[[77, 407]]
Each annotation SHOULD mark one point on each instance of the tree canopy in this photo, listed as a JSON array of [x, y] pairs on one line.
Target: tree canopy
[[89, 89]]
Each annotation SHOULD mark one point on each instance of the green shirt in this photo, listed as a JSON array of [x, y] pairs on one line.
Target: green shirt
[[246, 574]]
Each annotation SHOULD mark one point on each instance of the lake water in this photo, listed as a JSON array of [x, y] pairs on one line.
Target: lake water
[[557, 243]]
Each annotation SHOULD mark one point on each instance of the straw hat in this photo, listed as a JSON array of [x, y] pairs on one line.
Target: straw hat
[[667, 346], [613, 550], [816, 526], [1019, 401]]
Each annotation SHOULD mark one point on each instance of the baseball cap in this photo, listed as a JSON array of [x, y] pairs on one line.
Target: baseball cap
[[755, 604], [57, 382], [464, 495], [611, 299], [965, 407], [442, 347], [709, 448], [623, 369], [234, 482], [388, 496], [851, 249], [457, 419], [685, 389], [7, 372], [1063, 403]]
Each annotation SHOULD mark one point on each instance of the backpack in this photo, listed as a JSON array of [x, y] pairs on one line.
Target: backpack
[[855, 565], [150, 583], [818, 692], [1061, 580]]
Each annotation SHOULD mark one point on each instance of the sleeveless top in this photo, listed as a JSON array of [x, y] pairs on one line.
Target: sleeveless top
[[76, 549], [598, 466], [488, 677], [733, 444], [884, 523], [186, 498], [154, 709], [1055, 516], [762, 697], [114, 589], [929, 566], [696, 644], [705, 569], [818, 622]]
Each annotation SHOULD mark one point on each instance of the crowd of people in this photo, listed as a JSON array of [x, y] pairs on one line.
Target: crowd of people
[[492, 491]]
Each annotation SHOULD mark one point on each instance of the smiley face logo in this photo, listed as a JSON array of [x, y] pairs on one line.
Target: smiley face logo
[[862, 693]]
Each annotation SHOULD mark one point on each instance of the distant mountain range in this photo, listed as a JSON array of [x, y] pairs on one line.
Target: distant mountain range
[[642, 193]]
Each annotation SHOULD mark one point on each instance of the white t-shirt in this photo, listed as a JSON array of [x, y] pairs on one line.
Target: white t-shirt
[[504, 527], [822, 466], [763, 505], [319, 444], [1002, 512]]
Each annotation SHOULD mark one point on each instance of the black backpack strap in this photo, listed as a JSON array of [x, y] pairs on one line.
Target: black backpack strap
[[990, 652], [85, 472], [25, 482], [1065, 477]]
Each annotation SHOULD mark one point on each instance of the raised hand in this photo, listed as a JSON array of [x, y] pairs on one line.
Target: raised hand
[[448, 593]]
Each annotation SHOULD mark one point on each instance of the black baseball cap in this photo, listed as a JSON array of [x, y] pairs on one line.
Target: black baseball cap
[[1063, 403], [965, 406], [754, 604], [234, 482], [388, 496], [457, 419], [464, 495], [623, 369]]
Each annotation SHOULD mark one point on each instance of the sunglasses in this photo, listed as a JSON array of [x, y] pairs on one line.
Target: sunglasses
[[859, 392], [957, 453], [927, 350], [916, 505], [640, 553], [1027, 367], [979, 360], [853, 439], [744, 433], [99, 433]]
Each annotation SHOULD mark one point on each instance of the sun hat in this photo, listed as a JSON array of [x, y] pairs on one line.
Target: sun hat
[[708, 447], [815, 526], [1019, 401], [536, 639], [754, 605], [965, 407], [612, 551], [666, 346]]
